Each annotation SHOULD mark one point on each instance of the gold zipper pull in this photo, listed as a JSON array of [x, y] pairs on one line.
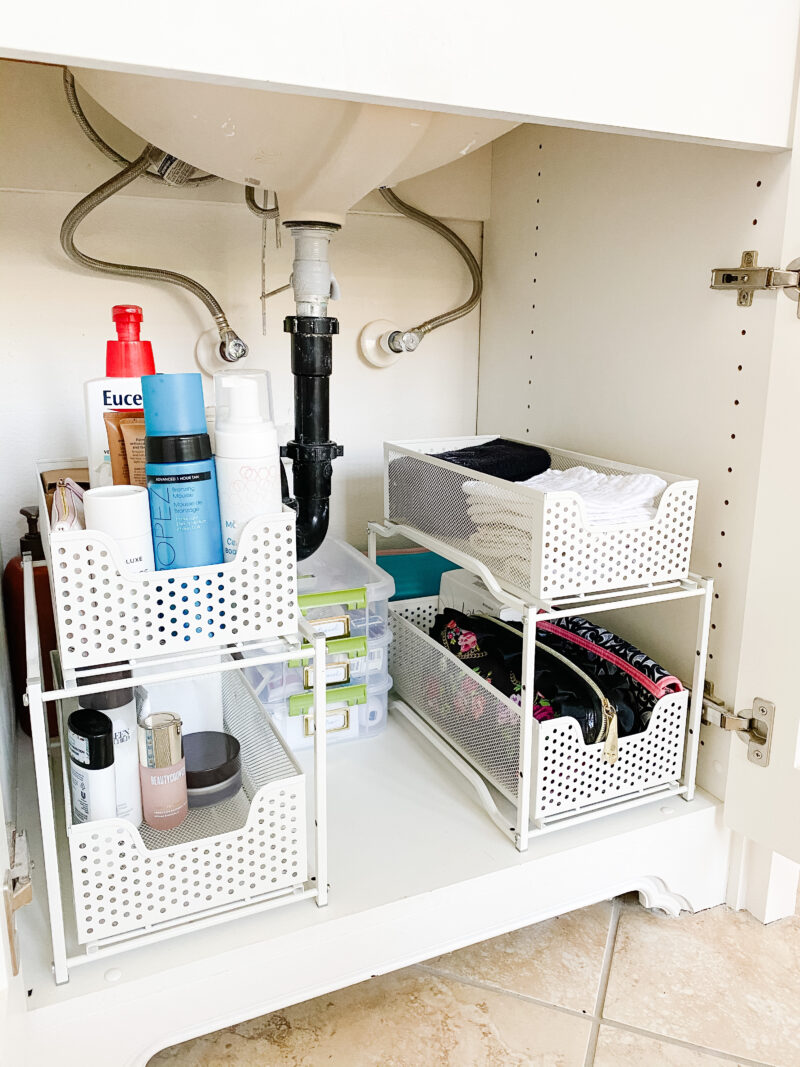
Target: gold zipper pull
[[611, 747]]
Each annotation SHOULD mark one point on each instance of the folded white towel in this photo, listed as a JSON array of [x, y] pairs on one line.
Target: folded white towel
[[501, 513], [505, 548], [488, 503], [607, 498]]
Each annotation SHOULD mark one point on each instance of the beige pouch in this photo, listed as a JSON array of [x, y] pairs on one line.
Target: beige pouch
[[67, 511]]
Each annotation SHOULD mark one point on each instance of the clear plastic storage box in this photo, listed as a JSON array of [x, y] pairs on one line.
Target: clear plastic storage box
[[350, 661], [353, 711], [343, 593]]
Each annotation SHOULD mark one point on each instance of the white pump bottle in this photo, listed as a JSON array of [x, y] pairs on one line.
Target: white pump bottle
[[246, 454]]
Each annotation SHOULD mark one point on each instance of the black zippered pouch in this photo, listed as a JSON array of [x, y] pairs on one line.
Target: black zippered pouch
[[494, 651]]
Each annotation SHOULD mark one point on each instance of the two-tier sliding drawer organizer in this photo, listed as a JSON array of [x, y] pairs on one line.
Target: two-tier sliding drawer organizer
[[538, 543], [538, 554], [252, 850]]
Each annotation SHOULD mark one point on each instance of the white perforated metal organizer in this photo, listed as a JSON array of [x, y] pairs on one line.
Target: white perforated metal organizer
[[104, 614], [533, 542], [482, 725], [128, 880]]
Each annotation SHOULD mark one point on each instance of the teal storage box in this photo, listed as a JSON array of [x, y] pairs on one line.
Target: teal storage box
[[416, 571]]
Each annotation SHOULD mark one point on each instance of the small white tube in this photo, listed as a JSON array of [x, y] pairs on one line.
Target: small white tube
[[126, 762], [123, 513]]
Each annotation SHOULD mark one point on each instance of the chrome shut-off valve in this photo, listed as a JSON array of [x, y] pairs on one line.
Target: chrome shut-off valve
[[232, 348]]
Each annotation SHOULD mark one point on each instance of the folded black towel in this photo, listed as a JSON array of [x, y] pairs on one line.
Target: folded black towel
[[512, 460]]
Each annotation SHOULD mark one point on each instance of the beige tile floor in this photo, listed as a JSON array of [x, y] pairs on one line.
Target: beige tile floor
[[610, 986]]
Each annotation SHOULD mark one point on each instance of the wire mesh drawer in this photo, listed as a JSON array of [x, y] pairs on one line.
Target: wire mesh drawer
[[103, 614], [536, 542], [128, 880], [568, 776], [477, 720]]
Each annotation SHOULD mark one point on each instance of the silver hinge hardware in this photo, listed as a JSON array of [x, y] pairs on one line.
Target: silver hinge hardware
[[748, 278], [17, 890], [755, 727]]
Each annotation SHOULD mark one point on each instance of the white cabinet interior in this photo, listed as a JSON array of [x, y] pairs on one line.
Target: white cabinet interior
[[597, 333]]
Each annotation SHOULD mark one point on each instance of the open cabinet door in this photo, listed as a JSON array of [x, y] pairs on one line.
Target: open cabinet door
[[7, 949], [762, 802], [10, 985]]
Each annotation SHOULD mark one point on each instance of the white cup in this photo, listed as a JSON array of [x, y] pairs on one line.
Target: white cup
[[123, 513]]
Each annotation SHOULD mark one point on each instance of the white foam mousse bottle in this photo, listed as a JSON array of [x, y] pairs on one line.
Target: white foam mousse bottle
[[246, 454]]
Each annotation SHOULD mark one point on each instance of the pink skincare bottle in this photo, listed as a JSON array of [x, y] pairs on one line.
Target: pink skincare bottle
[[162, 770]]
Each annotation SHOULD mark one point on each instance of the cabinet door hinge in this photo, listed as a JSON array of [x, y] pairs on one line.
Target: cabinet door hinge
[[17, 890], [748, 277], [754, 727]]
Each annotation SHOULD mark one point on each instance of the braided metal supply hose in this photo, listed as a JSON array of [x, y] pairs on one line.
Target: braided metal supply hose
[[232, 348], [71, 93], [410, 339], [262, 212]]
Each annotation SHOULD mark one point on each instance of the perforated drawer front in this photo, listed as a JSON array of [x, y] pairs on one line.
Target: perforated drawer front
[[571, 775], [255, 844], [103, 615]]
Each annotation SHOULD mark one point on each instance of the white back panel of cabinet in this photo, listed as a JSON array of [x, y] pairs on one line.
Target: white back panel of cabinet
[[599, 333], [721, 69], [57, 319]]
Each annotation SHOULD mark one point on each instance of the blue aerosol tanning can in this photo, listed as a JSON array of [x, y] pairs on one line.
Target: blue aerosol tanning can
[[181, 477]]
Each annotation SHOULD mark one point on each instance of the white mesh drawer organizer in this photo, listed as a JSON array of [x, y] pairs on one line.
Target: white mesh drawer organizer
[[568, 776], [104, 615], [261, 849], [538, 543], [251, 846]]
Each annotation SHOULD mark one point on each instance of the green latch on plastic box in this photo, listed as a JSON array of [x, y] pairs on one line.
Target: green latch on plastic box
[[351, 598], [352, 647], [302, 703]]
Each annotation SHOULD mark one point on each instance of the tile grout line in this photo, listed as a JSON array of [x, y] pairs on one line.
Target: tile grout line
[[730, 1057], [599, 1018], [596, 1017], [476, 983], [602, 986]]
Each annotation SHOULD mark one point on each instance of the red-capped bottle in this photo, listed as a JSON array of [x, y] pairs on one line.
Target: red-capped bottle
[[128, 358]]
